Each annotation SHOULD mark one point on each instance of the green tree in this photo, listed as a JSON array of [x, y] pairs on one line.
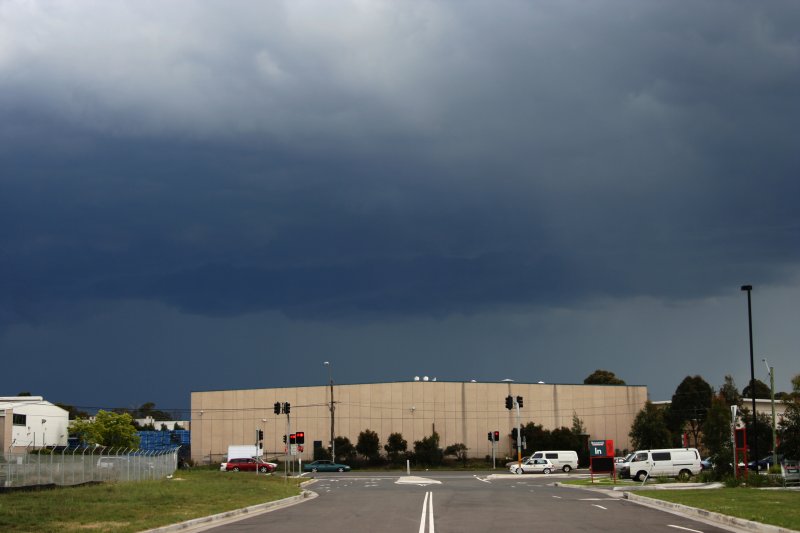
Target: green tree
[[345, 451], [396, 447], [369, 445], [649, 429], [690, 404], [73, 411], [717, 432], [108, 429], [790, 423], [729, 391], [459, 450], [763, 392], [427, 450], [603, 377]]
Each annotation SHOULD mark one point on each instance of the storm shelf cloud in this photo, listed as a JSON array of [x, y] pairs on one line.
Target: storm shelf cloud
[[390, 184]]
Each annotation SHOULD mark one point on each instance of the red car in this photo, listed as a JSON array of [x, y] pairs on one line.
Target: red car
[[247, 464]]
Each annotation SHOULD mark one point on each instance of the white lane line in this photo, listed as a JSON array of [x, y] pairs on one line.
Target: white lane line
[[430, 516], [559, 497], [600, 506], [424, 512], [685, 528], [483, 479]]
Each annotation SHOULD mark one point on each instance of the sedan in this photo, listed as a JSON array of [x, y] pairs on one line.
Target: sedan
[[247, 464], [532, 466], [325, 466]]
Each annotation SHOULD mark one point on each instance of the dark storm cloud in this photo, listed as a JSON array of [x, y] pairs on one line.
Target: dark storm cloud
[[414, 158]]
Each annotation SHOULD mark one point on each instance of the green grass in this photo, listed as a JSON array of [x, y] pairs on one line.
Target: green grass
[[135, 506], [775, 507]]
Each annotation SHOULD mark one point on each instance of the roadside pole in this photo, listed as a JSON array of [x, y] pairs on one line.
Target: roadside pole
[[286, 457], [519, 434]]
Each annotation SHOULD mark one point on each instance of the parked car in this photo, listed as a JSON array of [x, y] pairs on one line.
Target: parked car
[[325, 466], [247, 464], [764, 464], [670, 462], [531, 466], [707, 463], [623, 465]]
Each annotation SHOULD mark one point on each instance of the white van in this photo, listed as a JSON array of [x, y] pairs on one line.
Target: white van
[[669, 462], [566, 460]]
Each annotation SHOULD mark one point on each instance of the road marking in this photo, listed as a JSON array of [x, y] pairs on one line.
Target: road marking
[[428, 512], [685, 528], [597, 500], [485, 480], [600, 506], [559, 497]]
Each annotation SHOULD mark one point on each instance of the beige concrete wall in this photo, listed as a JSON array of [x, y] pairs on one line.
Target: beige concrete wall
[[458, 411]]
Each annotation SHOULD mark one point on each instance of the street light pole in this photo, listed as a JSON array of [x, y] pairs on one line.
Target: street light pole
[[772, 397], [332, 408], [748, 289]]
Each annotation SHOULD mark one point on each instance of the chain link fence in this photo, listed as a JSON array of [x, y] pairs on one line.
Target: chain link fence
[[73, 466]]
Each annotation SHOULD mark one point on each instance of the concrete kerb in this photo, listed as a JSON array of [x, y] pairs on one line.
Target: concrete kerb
[[729, 522], [239, 514]]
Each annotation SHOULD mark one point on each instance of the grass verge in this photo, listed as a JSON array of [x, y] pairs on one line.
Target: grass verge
[[135, 506], [775, 507]]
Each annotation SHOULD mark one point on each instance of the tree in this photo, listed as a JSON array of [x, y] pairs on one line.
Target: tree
[[690, 404], [396, 446], [649, 429], [602, 377], [427, 451], [729, 392], [717, 426], [108, 429], [762, 391], [73, 411], [344, 449], [459, 450], [369, 444], [790, 424]]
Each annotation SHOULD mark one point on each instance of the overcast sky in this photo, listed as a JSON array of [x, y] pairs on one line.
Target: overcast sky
[[225, 194]]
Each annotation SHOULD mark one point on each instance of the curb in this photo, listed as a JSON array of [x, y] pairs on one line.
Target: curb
[[722, 519], [253, 510]]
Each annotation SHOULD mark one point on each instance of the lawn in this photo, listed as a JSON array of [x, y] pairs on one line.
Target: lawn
[[135, 506], [776, 507]]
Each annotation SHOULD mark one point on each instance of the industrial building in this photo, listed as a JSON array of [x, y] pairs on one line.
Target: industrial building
[[460, 412], [31, 422]]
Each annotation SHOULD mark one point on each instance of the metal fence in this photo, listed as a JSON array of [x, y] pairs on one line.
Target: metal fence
[[73, 466]]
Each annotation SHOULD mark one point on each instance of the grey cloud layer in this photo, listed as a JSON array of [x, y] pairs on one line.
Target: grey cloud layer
[[425, 157]]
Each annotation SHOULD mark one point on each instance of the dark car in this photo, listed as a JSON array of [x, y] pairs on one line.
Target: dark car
[[763, 464], [247, 464], [325, 466]]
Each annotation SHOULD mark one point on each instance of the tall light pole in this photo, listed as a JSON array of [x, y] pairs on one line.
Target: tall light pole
[[333, 408], [748, 289], [771, 371]]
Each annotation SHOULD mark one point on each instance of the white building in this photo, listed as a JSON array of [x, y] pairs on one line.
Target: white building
[[31, 422]]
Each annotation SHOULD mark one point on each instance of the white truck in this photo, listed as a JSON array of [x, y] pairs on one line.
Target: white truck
[[243, 451]]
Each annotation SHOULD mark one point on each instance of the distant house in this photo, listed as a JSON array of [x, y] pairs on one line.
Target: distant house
[[30, 422]]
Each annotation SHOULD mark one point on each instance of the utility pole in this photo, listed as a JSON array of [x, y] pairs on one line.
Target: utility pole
[[748, 289], [772, 397], [332, 409]]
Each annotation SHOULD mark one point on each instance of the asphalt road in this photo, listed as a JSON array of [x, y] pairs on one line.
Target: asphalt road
[[455, 502]]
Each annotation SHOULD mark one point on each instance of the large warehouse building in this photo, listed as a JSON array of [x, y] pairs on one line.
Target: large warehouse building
[[460, 412]]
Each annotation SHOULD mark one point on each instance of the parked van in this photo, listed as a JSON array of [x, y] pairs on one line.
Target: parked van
[[566, 460], [669, 462]]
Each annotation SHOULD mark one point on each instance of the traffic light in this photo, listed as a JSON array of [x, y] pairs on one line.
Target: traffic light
[[300, 436], [260, 435], [293, 439], [490, 436], [284, 439], [514, 432], [277, 408], [509, 402], [287, 407], [497, 436], [519, 401]]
